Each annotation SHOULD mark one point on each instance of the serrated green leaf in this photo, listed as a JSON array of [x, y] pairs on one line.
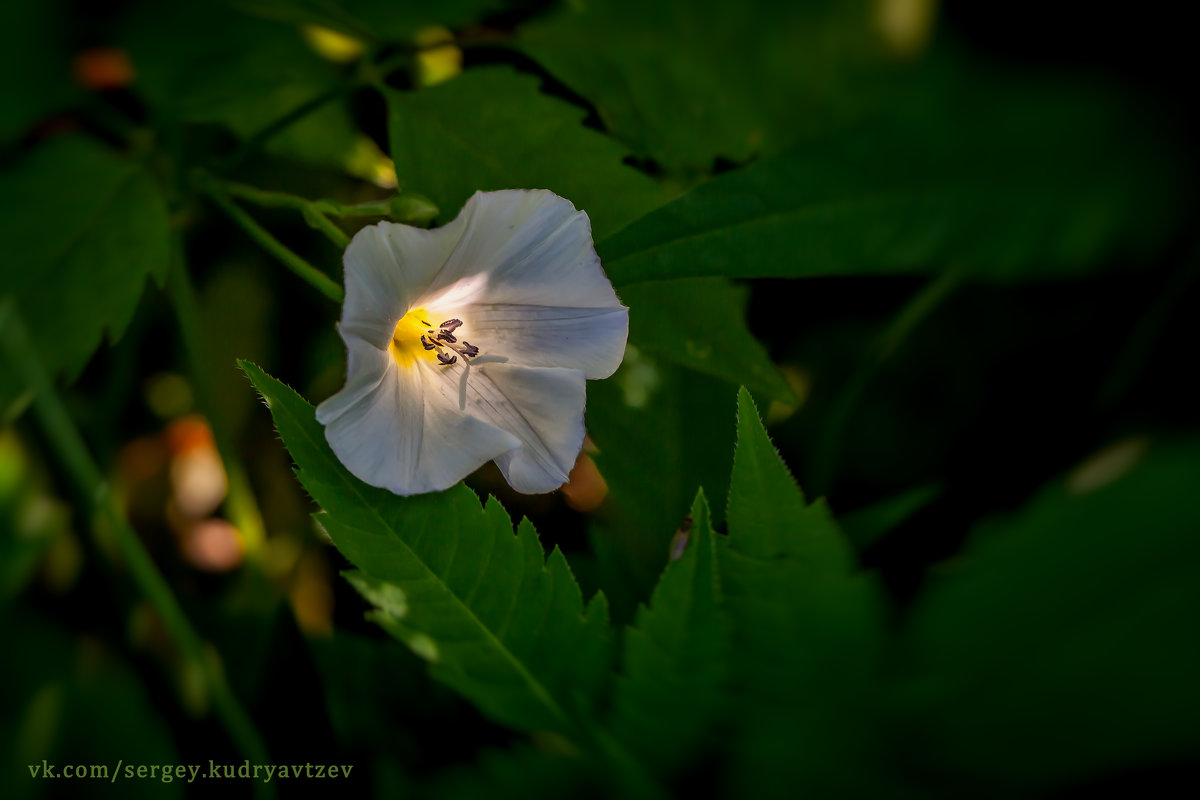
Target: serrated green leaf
[[1018, 185], [684, 82], [87, 227], [669, 695], [700, 324], [492, 128], [806, 633], [1061, 646], [497, 620], [661, 432]]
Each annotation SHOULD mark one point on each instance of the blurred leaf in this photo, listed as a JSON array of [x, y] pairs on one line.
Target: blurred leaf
[[203, 62], [806, 633], [492, 128], [669, 695], [384, 20], [69, 700], [86, 228], [1000, 179], [498, 621], [35, 77], [1062, 646], [543, 769], [866, 526], [700, 323], [684, 82], [661, 432]]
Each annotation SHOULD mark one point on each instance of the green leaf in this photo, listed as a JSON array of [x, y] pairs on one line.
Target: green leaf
[[1061, 646], [670, 693], [700, 324], [498, 621], [687, 81], [806, 632], [205, 63], [384, 20], [661, 432], [1014, 184], [866, 526], [492, 128], [81, 256], [34, 66]]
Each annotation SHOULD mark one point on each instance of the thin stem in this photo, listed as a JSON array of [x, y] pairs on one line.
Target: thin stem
[[826, 451], [314, 211], [243, 508], [21, 357], [307, 272]]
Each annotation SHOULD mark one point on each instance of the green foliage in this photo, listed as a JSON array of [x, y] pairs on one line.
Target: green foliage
[[1062, 645], [203, 62], [686, 82], [700, 324], [61, 705], [34, 76], [85, 253], [994, 179], [806, 632], [378, 20], [492, 128], [669, 695], [497, 620], [652, 487]]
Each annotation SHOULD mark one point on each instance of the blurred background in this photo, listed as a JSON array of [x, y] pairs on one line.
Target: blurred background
[[919, 403]]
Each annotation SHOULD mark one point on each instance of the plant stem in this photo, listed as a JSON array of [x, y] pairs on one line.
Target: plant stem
[[307, 272], [314, 211], [243, 508], [21, 357]]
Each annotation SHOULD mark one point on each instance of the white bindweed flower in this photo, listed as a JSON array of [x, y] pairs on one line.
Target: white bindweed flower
[[472, 342]]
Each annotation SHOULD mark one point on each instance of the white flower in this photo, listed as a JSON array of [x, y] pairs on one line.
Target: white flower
[[472, 342]]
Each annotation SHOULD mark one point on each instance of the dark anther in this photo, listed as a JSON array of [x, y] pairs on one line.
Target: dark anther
[[446, 360], [450, 324], [426, 324], [426, 344], [469, 349], [447, 337]]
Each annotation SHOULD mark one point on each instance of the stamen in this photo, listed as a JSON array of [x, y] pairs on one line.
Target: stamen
[[427, 345], [447, 337], [469, 349], [446, 360], [426, 324], [449, 325]]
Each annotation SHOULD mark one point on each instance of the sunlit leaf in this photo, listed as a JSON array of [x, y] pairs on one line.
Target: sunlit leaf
[[498, 621], [492, 128]]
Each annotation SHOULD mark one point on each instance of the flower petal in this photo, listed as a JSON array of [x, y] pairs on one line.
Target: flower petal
[[590, 339], [388, 266], [543, 408], [392, 433], [522, 247]]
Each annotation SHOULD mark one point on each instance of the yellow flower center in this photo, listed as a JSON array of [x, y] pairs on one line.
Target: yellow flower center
[[415, 335]]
